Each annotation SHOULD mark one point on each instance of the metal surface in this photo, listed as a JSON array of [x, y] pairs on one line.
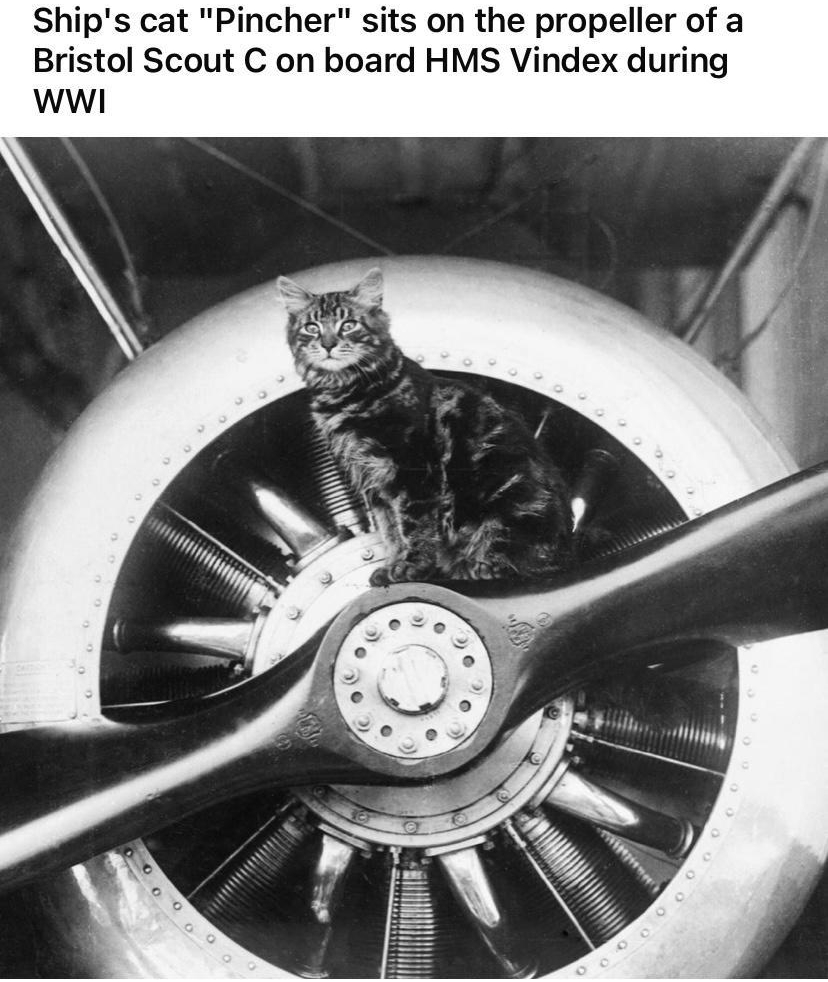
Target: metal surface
[[666, 409]]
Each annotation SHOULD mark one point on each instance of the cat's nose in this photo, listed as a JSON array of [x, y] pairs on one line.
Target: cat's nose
[[328, 344]]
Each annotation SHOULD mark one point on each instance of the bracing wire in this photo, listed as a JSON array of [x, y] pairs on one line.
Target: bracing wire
[[731, 358]]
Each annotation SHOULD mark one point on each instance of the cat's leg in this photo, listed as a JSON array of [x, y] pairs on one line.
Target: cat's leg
[[478, 552], [415, 534]]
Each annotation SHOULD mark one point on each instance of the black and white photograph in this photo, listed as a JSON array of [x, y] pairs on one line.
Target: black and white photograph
[[413, 557]]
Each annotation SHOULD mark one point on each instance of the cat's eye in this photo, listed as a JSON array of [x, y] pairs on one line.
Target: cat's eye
[[346, 327], [312, 329]]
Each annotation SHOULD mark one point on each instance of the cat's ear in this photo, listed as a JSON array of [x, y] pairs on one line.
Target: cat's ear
[[368, 291], [294, 297]]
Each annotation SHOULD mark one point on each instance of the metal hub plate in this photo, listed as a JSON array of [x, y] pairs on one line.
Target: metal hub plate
[[413, 680]]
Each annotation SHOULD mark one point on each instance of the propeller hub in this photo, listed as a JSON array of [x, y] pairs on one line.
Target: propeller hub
[[413, 680]]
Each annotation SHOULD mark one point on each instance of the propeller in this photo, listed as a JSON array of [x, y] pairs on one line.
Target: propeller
[[751, 571]]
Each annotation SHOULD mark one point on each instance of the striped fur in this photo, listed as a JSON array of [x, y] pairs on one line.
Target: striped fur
[[460, 488]]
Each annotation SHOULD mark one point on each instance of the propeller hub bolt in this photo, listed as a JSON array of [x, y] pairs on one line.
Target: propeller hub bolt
[[349, 675], [535, 758], [411, 827], [418, 618], [367, 554], [363, 721], [293, 613], [460, 639], [371, 632], [477, 685], [503, 795], [325, 578], [455, 729], [459, 818], [408, 745]]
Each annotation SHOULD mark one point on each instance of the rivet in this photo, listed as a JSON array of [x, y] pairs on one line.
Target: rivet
[[690, 490], [503, 795], [238, 400], [188, 927], [513, 371], [225, 958], [754, 669], [127, 852], [493, 361], [582, 395], [714, 833], [420, 359], [156, 481], [371, 632], [697, 512], [408, 745], [557, 388], [604, 962], [361, 817], [114, 537], [754, 717], [444, 354], [660, 911], [535, 758], [138, 496], [467, 361], [147, 868], [262, 394], [679, 897], [410, 827], [156, 891], [622, 945], [460, 639], [599, 412], [349, 675], [367, 554], [538, 375], [97, 602], [459, 818], [363, 722], [251, 966], [553, 712], [280, 378], [734, 787], [89, 647], [659, 452], [110, 559], [581, 970], [222, 419], [707, 857], [187, 448], [325, 578], [746, 741], [319, 791], [690, 874], [671, 474], [730, 812], [745, 765], [622, 422], [211, 939], [637, 441], [88, 693], [85, 624], [98, 578], [645, 932], [131, 519], [751, 693], [293, 613], [200, 427], [81, 670], [455, 729], [177, 905]]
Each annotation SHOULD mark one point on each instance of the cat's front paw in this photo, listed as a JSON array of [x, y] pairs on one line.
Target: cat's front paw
[[398, 572]]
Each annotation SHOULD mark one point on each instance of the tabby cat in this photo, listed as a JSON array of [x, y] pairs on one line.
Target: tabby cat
[[459, 487]]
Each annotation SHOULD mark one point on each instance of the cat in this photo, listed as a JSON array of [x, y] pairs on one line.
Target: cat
[[459, 487]]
